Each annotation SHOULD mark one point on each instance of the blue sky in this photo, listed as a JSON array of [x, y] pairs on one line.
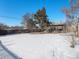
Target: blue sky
[[17, 8]]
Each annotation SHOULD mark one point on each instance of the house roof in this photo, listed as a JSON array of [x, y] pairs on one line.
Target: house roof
[[58, 25], [6, 54]]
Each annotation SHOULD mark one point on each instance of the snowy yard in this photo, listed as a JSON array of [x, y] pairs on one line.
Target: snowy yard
[[40, 46]]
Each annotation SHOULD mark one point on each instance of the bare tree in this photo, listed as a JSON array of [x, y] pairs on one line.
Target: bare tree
[[70, 13], [28, 21], [3, 26]]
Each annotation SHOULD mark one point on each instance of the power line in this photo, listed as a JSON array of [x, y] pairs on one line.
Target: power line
[[9, 17]]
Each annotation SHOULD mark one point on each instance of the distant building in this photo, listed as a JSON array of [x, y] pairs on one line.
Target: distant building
[[58, 27]]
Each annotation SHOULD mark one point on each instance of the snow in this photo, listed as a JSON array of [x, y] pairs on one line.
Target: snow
[[40, 46], [6, 54]]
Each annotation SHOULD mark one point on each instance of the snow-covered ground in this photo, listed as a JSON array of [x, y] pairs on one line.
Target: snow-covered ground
[[40, 46]]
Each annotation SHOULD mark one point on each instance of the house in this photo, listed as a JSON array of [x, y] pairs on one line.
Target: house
[[58, 27]]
